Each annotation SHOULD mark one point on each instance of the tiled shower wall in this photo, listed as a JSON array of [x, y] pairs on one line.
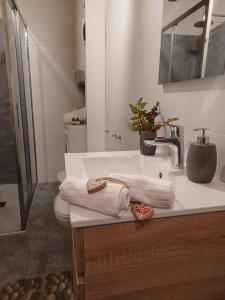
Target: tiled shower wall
[[186, 57], [216, 57], [7, 146], [187, 53]]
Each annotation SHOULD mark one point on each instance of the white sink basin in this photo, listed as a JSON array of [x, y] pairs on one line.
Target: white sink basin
[[128, 164], [99, 164]]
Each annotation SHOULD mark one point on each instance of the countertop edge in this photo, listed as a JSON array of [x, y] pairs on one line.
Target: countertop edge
[[130, 218]]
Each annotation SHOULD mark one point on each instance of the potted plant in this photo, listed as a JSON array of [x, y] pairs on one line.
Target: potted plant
[[144, 122]]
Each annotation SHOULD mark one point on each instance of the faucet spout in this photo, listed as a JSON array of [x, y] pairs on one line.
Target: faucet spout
[[175, 142]]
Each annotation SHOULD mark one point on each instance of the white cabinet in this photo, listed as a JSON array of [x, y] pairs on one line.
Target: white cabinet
[[76, 138]]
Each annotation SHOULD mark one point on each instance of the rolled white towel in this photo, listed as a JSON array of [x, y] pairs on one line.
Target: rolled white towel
[[155, 192], [113, 200]]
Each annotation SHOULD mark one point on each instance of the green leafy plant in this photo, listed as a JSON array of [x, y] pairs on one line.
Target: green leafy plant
[[144, 120]]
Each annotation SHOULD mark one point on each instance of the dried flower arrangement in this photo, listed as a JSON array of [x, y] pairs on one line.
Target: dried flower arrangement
[[144, 120]]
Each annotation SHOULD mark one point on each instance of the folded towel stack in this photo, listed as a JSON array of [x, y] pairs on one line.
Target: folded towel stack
[[113, 200], [152, 191]]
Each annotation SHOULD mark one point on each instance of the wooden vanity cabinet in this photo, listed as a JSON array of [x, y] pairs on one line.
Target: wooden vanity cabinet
[[177, 258]]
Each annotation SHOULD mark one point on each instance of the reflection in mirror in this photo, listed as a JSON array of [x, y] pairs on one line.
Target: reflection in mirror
[[182, 44], [216, 49]]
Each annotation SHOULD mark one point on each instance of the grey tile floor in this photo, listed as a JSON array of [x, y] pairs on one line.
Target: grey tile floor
[[10, 214], [42, 249]]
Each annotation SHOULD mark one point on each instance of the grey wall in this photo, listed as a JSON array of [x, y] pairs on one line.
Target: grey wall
[[7, 145], [216, 52], [165, 57], [186, 58], [186, 63]]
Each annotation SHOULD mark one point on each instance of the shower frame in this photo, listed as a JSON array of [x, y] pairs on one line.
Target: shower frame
[[16, 126]]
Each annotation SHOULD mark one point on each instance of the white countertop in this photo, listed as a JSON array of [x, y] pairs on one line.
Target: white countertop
[[191, 198]]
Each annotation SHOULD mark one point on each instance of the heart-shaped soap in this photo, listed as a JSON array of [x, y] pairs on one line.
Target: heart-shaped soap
[[142, 212], [95, 185]]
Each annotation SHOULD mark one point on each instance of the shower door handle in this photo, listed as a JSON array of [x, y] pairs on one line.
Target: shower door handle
[[17, 115], [17, 106], [84, 31]]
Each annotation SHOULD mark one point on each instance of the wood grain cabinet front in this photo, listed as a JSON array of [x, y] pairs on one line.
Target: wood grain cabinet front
[[177, 258]]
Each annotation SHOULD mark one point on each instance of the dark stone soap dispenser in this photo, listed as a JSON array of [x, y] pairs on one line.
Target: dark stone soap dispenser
[[201, 159]]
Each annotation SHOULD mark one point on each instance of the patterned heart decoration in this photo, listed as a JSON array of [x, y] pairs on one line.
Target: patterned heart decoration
[[95, 185], [142, 212]]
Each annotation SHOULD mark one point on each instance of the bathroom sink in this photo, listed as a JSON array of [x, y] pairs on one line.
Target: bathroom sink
[[129, 164], [89, 165], [190, 198]]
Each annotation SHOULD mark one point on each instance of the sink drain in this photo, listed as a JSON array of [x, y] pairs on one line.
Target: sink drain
[[160, 175]]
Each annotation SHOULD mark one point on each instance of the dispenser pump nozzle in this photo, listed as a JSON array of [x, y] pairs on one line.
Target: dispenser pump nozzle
[[203, 139]]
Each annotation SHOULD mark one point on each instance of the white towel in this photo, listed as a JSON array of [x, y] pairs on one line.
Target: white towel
[[81, 114], [113, 200], [155, 192]]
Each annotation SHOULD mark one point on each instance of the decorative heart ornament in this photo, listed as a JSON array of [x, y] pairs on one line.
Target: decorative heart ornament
[[142, 212], [95, 185]]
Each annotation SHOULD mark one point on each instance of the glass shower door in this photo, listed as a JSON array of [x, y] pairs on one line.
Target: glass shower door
[[19, 74], [26, 109], [10, 218], [24, 46]]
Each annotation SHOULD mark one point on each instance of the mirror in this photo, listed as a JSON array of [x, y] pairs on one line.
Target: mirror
[[192, 40]]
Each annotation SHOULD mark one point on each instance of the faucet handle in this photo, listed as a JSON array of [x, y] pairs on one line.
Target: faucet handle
[[176, 130]]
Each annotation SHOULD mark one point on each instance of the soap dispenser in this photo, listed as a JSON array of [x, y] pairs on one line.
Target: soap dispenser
[[201, 159]]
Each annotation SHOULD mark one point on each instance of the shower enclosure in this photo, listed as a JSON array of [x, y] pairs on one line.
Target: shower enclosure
[[18, 176]]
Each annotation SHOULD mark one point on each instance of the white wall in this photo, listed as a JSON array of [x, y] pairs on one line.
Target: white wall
[[127, 71], [51, 36], [218, 8], [79, 41], [172, 10], [95, 73]]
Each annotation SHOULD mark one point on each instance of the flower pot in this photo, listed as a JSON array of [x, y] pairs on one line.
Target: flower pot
[[147, 135]]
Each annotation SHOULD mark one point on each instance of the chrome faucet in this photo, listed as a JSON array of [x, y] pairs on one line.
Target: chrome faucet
[[175, 142]]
